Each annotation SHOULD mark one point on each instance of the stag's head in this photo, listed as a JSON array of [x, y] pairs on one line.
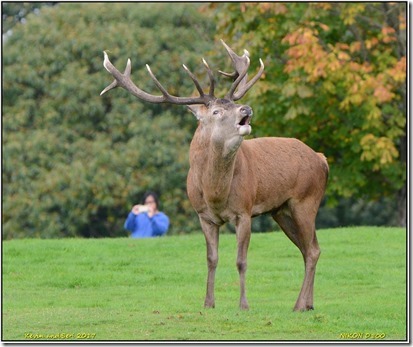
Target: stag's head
[[220, 116]]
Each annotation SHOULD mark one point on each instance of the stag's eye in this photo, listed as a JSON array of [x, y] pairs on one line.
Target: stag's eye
[[216, 112]]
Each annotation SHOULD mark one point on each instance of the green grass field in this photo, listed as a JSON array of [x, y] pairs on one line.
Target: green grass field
[[153, 289]]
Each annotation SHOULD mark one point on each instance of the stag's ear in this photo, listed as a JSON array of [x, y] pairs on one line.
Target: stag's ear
[[197, 110]]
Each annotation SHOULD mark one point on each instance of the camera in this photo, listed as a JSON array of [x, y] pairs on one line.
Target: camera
[[143, 208]]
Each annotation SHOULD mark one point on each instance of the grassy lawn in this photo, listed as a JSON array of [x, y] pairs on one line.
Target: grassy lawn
[[153, 289]]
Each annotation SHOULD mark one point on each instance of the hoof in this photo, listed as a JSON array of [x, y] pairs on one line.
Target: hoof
[[244, 306], [209, 305], [303, 309]]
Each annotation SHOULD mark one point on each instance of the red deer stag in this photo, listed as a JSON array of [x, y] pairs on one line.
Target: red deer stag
[[231, 180]]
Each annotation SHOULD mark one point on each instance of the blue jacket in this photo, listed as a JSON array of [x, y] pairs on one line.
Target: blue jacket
[[141, 225]]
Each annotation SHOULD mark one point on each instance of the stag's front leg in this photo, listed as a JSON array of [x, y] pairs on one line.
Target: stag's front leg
[[243, 228], [211, 233]]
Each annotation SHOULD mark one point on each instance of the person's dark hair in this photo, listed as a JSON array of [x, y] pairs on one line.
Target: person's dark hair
[[155, 197]]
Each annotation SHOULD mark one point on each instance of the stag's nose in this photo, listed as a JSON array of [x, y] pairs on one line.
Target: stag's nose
[[246, 111]]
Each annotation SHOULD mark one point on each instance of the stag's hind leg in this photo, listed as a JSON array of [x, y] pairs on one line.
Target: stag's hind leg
[[298, 223]]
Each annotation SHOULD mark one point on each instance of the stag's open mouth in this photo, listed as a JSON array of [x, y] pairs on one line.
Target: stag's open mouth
[[245, 121], [244, 127]]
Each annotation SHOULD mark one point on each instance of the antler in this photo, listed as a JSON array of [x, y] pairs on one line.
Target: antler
[[241, 65], [124, 81]]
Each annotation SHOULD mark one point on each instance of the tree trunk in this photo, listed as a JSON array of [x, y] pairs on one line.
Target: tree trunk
[[401, 207]]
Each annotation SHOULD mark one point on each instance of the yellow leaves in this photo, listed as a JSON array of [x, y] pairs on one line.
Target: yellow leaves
[[355, 46], [302, 36], [335, 63], [264, 87], [295, 111], [359, 77], [382, 94], [276, 8], [398, 72], [306, 53], [353, 99], [323, 26], [363, 86], [374, 114], [371, 42], [382, 90], [265, 7], [350, 11], [289, 90], [380, 150], [291, 113], [290, 38], [322, 5], [374, 118], [329, 87], [388, 34], [343, 56], [302, 91]]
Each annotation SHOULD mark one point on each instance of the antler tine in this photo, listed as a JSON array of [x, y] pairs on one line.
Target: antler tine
[[241, 65], [109, 67], [157, 83], [211, 78], [241, 77], [198, 87], [124, 81], [238, 62], [244, 88]]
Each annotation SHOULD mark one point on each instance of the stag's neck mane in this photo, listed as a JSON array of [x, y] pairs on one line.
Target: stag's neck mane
[[215, 160]]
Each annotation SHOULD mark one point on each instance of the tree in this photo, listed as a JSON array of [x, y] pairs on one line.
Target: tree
[[336, 79], [74, 162]]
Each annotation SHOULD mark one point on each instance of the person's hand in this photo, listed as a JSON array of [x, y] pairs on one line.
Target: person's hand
[[136, 209], [151, 209]]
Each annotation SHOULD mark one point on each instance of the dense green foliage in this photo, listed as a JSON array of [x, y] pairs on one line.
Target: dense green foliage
[[74, 162], [335, 78], [153, 289], [13, 13]]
